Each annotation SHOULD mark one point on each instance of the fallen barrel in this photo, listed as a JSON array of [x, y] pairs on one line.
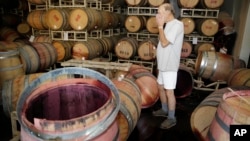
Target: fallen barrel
[[204, 113], [146, 82], [130, 109], [234, 109], [185, 82]]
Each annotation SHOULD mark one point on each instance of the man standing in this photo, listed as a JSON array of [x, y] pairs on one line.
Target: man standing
[[168, 60]]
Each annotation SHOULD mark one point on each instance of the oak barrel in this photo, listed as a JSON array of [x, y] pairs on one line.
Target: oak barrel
[[47, 54], [37, 19], [189, 25], [10, 64], [134, 23], [186, 49], [85, 19], [76, 109], [239, 77], [130, 108], [187, 3], [207, 27], [203, 47], [9, 34], [30, 58], [87, 49], [147, 49], [147, 84], [37, 1], [156, 3], [126, 48], [57, 19], [213, 65], [185, 82], [233, 109], [12, 90], [203, 114], [63, 50], [136, 2], [151, 25], [42, 38], [211, 4]]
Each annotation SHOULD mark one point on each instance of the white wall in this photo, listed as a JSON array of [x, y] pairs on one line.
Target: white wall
[[241, 16]]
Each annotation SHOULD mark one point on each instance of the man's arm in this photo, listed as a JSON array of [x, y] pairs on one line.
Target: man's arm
[[162, 38]]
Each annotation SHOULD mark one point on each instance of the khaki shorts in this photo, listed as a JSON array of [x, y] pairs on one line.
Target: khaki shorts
[[167, 79]]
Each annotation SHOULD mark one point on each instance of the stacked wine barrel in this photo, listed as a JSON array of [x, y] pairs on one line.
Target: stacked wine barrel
[[201, 26], [140, 22], [206, 26], [77, 29]]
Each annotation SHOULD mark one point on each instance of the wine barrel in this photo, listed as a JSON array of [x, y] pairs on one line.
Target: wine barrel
[[239, 63], [185, 82], [203, 47], [156, 3], [30, 58], [126, 48], [85, 18], [147, 84], [37, 19], [63, 49], [187, 3], [122, 18], [9, 44], [76, 109], [109, 20], [42, 38], [134, 23], [147, 49], [239, 77], [24, 29], [87, 49], [107, 44], [186, 49], [203, 114], [12, 90], [189, 25], [211, 4], [57, 19], [207, 27], [37, 1], [10, 64], [213, 65], [151, 25], [130, 108], [9, 34], [47, 54], [137, 2], [117, 3], [233, 109]]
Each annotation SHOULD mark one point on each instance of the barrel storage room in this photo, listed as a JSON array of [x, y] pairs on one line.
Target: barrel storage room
[[79, 70]]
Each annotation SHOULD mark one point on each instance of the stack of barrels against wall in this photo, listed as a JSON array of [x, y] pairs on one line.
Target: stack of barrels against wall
[[207, 26]]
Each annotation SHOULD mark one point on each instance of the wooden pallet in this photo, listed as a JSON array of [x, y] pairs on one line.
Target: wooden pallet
[[107, 66]]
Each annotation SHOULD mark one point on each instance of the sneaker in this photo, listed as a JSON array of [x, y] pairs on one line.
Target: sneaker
[[160, 112], [168, 123]]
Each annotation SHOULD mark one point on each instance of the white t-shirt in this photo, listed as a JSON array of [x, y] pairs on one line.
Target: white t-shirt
[[168, 58]]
